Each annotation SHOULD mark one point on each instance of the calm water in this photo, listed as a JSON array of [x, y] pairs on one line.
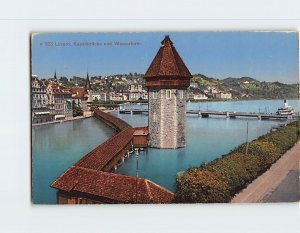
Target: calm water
[[207, 139], [56, 147]]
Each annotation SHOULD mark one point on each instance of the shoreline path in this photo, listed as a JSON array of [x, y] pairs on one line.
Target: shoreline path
[[279, 184]]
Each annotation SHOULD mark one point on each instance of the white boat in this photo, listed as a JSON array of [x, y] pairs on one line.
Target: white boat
[[286, 109]]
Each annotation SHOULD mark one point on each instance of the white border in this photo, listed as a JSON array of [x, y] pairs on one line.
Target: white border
[[18, 215]]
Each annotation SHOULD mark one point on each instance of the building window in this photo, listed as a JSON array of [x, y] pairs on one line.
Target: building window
[[168, 94], [180, 92]]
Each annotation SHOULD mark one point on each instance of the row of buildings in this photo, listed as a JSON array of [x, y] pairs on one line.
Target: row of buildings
[[133, 93], [53, 101]]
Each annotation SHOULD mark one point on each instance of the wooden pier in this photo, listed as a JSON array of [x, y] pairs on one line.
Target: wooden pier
[[205, 114]]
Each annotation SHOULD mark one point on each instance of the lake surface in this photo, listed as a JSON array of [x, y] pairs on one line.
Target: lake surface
[[207, 138], [56, 147]]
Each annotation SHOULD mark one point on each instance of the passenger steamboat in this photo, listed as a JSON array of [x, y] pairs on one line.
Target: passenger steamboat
[[286, 109]]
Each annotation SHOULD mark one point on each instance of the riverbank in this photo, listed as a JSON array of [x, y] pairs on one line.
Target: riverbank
[[269, 183], [62, 121]]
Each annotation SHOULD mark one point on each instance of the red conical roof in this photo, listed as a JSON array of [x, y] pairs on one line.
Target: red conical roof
[[167, 62]]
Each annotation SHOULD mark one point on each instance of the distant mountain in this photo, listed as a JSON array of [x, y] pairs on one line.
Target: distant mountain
[[248, 88]]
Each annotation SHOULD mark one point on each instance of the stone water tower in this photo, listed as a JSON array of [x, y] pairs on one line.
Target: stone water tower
[[167, 79]]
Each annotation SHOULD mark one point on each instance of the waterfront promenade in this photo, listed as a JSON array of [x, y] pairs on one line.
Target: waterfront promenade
[[279, 183], [61, 121]]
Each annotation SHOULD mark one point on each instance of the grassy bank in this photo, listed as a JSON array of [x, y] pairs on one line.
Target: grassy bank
[[219, 180]]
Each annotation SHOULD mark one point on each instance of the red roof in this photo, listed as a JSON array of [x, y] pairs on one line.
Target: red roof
[[117, 122], [141, 131], [167, 62], [61, 90], [78, 92], [114, 187], [99, 157]]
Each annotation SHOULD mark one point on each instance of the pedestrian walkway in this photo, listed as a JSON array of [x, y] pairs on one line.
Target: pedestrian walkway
[[271, 182], [62, 121]]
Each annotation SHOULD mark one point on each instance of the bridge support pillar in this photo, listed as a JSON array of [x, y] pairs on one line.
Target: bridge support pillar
[[227, 114]]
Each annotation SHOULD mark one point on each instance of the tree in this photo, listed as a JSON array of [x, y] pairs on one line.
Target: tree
[[77, 109]]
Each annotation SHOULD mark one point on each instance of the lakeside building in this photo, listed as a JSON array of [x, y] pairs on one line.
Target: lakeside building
[[136, 92], [59, 99], [39, 102], [223, 95], [199, 97], [62, 103], [167, 80]]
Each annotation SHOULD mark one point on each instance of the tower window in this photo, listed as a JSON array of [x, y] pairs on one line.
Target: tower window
[[168, 94], [180, 92], [155, 94], [154, 117]]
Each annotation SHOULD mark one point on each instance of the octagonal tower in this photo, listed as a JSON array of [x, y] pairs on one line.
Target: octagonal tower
[[167, 79]]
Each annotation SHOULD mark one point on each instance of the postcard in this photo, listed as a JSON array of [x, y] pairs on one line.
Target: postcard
[[162, 118]]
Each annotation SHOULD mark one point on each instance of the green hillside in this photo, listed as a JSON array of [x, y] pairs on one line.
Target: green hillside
[[248, 88]]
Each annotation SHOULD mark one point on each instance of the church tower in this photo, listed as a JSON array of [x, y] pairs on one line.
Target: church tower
[[88, 89], [167, 80]]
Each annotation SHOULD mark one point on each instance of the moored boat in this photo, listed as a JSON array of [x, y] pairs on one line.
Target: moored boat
[[286, 109]]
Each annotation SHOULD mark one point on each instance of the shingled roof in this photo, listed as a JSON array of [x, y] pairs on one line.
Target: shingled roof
[[116, 188], [167, 62], [99, 157], [117, 122]]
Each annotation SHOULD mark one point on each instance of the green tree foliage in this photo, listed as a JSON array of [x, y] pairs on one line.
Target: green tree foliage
[[77, 109], [265, 151], [201, 186], [249, 88], [238, 169], [221, 179]]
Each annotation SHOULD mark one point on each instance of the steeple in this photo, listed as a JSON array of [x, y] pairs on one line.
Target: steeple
[[87, 85], [55, 75]]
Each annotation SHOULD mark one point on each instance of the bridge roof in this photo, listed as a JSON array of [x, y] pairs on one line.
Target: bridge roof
[[167, 62], [99, 157], [117, 122], [116, 188]]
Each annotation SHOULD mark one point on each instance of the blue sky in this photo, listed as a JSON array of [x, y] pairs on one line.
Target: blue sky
[[265, 56]]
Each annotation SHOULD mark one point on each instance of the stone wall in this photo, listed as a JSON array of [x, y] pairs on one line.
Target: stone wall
[[167, 124], [181, 120], [154, 119]]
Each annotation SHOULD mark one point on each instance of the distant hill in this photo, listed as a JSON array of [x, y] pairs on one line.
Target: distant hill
[[248, 88], [229, 81]]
